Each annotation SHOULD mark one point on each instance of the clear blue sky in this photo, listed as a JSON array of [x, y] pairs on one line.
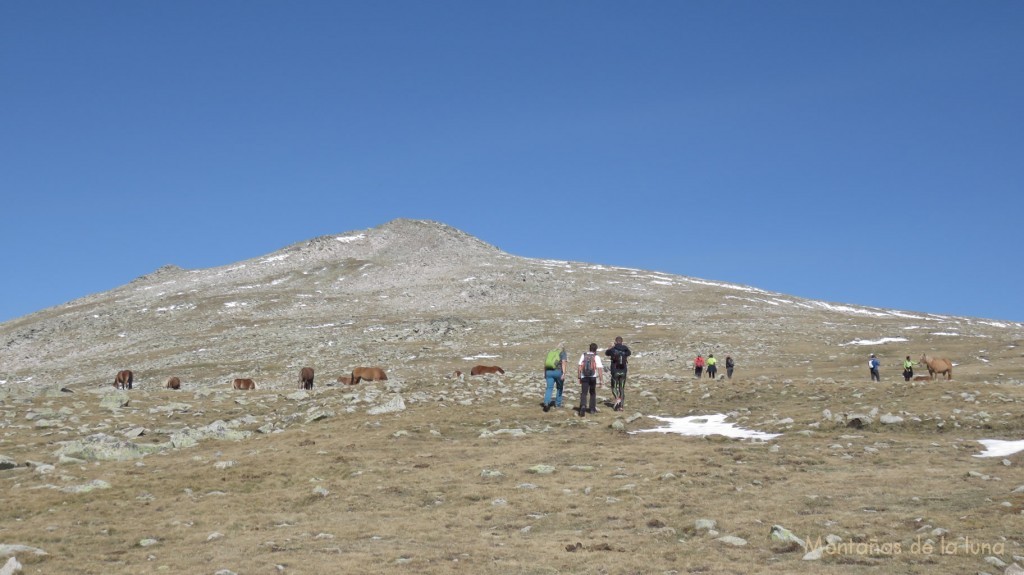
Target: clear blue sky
[[863, 152]]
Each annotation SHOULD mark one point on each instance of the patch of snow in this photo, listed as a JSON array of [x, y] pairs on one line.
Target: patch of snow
[[1000, 447], [723, 285], [480, 356], [350, 239], [950, 333], [274, 258], [994, 323], [874, 341], [704, 425], [234, 303], [849, 309]]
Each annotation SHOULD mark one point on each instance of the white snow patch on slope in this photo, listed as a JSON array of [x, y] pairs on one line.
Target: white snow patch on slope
[[704, 425], [1000, 447], [874, 341]]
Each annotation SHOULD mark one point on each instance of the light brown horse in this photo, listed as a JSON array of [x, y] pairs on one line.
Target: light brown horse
[[482, 369], [369, 374], [306, 378], [243, 384], [939, 366], [174, 383], [123, 379], [345, 379]]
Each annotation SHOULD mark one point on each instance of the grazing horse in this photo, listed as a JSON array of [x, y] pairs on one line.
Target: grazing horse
[[369, 374], [306, 378], [243, 384], [939, 366], [482, 369], [345, 379], [174, 383], [123, 379]]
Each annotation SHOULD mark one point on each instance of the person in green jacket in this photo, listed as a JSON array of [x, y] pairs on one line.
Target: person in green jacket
[[712, 368], [908, 369]]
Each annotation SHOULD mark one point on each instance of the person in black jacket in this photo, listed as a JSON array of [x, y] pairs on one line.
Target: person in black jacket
[[618, 354]]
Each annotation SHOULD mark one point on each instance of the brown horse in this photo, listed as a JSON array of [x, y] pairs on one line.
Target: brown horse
[[306, 378], [243, 384], [369, 374], [174, 383], [123, 379], [482, 369], [938, 365], [345, 379]]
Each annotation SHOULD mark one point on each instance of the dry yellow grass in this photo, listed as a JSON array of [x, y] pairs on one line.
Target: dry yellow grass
[[408, 493]]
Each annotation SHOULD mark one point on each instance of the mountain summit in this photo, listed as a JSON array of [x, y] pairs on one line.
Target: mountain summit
[[418, 297]]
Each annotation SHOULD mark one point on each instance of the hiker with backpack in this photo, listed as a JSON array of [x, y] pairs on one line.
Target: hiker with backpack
[[712, 366], [729, 366], [591, 373], [618, 354], [698, 366], [555, 363]]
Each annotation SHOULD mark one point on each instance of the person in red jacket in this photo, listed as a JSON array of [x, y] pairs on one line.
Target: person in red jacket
[[698, 366]]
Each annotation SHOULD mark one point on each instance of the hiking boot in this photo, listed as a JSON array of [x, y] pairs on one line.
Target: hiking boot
[[582, 412], [547, 406]]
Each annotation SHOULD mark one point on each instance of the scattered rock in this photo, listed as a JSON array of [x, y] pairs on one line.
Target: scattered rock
[[542, 469], [11, 567]]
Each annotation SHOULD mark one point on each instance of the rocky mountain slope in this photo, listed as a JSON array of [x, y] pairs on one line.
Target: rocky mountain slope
[[423, 299]]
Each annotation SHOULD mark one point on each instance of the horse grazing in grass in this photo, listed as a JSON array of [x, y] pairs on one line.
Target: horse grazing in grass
[[243, 384], [123, 379], [174, 383], [938, 365], [482, 369], [369, 374], [306, 378], [345, 379]]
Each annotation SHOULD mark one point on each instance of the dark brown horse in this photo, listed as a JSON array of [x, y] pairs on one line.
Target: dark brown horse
[[938, 365], [369, 374], [123, 379], [243, 384], [482, 369], [306, 378], [174, 383]]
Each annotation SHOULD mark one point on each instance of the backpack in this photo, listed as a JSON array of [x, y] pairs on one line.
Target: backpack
[[618, 359], [553, 359], [589, 369]]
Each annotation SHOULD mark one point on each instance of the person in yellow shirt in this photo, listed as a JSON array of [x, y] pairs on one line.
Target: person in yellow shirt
[[908, 369], [712, 368]]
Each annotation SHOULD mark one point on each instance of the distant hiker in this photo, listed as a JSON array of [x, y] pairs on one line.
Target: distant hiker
[[698, 366], [729, 364], [908, 369], [590, 371], [619, 355], [873, 364], [554, 375], [712, 368]]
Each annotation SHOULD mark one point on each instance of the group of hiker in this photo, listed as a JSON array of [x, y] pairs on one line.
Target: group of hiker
[[873, 365], [590, 372], [711, 365]]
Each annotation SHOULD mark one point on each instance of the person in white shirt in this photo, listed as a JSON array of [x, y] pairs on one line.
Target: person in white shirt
[[591, 374]]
